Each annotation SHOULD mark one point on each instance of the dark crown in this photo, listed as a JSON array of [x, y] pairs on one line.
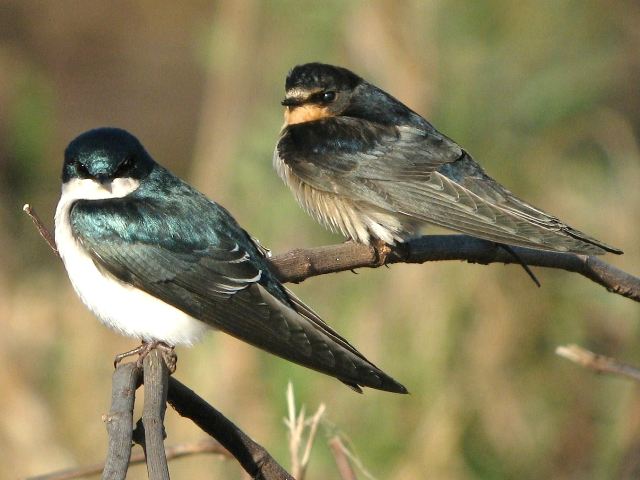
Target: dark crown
[[321, 75], [105, 153]]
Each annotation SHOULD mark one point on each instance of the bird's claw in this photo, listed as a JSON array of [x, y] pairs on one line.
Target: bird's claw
[[382, 250], [167, 351]]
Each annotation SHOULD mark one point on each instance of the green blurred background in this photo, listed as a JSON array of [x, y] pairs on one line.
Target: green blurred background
[[543, 93]]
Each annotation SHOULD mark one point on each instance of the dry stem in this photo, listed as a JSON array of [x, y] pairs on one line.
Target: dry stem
[[597, 362]]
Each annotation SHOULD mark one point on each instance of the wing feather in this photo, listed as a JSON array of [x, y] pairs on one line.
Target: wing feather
[[226, 284]]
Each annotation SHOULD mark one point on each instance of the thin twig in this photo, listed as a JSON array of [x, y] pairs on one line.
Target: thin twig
[[207, 445], [299, 264], [126, 379], [156, 385], [256, 461], [42, 229], [597, 362]]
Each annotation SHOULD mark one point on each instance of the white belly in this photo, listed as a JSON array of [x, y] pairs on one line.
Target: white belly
[[118, 305]]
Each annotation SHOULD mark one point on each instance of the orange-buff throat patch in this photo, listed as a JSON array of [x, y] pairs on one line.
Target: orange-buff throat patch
[[305, 113]]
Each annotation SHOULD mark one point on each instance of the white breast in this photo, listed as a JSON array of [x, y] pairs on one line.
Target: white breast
[[356, 220], [118, 305]]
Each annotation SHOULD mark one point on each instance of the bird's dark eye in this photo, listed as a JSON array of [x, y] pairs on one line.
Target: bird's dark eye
[[82, 169], [329, 96], [125, 165], [325, 97]]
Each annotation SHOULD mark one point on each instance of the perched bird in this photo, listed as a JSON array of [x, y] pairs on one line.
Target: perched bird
[[364, 164], [156, 260]]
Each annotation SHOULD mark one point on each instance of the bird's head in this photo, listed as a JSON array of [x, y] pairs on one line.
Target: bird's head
[[105, 163], [318, 90]]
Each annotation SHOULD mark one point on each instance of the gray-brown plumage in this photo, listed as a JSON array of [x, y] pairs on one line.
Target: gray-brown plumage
[[364, 164]]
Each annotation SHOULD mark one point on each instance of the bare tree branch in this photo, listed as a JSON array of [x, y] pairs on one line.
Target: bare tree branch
[[299, 264], [207, 445], [597, 362], [256, 461], [126, 379], [156, 385], [254, 458]]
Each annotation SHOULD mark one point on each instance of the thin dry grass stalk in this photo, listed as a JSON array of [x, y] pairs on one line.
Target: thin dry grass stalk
[[597, 362], [297, 424]]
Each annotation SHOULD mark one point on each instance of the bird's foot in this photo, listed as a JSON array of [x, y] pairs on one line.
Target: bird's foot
[[167, 351], [129, 353], [382, 249], [387, 253], [169, 356]]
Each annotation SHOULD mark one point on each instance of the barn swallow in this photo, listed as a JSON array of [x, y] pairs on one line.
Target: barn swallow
[[364, 164], [156, 260]]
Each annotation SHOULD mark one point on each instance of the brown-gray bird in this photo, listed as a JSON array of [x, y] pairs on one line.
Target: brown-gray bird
[[364, 164]]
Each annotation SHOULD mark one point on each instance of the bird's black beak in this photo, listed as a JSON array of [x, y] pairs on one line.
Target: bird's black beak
[[105, 182], [291, 102]]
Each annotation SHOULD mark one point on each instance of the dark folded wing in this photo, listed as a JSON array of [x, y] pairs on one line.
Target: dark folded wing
[[343, 149], [226, 285], [421, 174]]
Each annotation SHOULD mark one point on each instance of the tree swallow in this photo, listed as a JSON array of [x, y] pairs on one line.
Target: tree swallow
[[156, 260], [364, 164]]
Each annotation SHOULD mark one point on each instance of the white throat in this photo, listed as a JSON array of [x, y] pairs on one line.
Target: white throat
[[89, 189]]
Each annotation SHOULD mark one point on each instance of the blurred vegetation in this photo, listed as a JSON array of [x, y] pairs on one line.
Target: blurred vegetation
[[543, 93]]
